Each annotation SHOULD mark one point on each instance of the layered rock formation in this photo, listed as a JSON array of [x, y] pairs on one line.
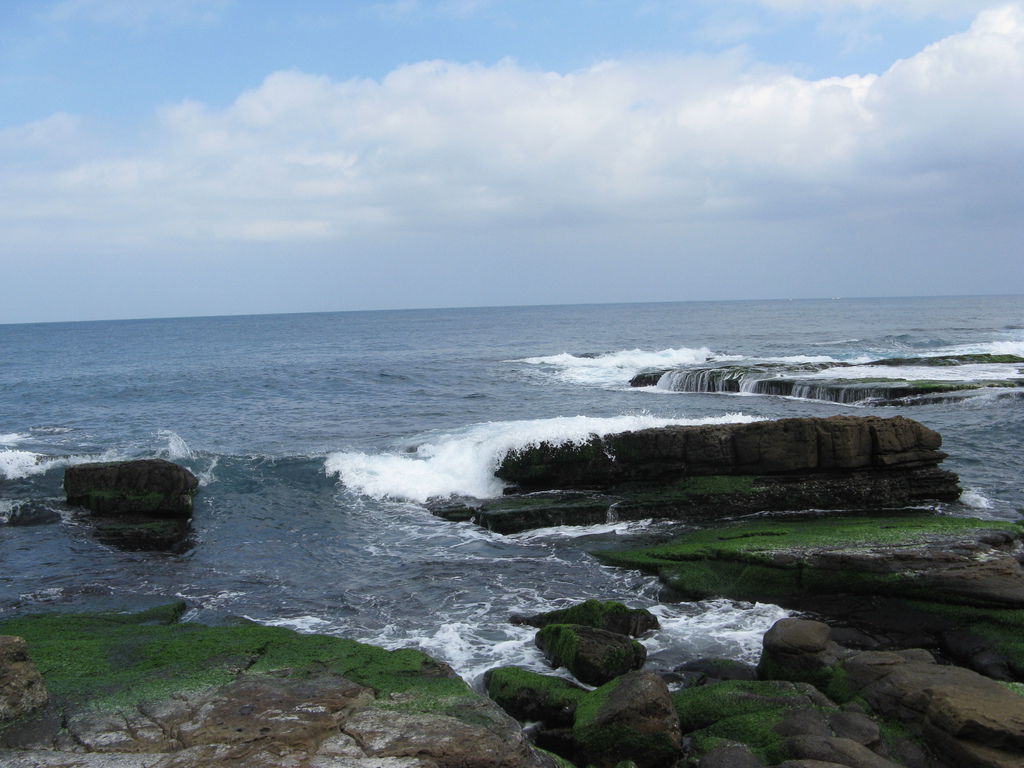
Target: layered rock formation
[[711, 472]]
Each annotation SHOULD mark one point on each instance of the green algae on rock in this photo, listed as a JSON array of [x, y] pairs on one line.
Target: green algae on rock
[[192, 695], [529, 695], [594, 656], [608, 615]]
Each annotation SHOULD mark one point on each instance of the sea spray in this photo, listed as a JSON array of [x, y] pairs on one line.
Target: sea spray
[[463, 463]]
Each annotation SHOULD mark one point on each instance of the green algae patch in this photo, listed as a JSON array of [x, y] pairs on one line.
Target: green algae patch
[[758, 542], [532, 696], [113, 662], [1002, 628], [745, 711], [766, 560], [611, 742], [602, 614]]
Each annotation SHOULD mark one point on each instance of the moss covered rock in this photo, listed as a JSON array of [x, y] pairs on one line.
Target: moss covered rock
[[630, 718], [531, 696], [249, 695], [594, 656], [602, 614]]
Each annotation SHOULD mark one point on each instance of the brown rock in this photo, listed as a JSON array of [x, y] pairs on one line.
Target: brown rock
[[21, 686]]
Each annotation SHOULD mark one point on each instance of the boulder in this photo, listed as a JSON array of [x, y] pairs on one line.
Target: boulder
[[152, 487], [136, 505], [608, 615], [529, 696], [630, 718], [594, 656], [799, 650], [21, 686]]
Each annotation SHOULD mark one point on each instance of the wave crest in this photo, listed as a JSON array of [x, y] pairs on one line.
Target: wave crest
[[463, 463]]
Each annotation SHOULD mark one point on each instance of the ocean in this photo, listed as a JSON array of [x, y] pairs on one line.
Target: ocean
[[320, 440]]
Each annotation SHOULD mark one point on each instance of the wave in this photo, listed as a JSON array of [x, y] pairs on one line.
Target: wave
[[616, 368], [12, 438], [463, 463]]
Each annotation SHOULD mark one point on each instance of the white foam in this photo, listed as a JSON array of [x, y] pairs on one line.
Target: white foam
[[11, 438], [616, 368], [463, 463], [176, 448], [974, 498], [720, 628], [1009, 347], [15, 464], [308, 624], [576, 531]]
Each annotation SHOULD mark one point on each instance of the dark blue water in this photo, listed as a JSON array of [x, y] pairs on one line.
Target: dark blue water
[[318, 438]]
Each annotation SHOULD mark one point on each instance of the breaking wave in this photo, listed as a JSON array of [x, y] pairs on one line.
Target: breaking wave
[[462, 463]]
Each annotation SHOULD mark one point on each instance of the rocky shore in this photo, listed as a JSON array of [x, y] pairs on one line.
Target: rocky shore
[[908, 650]]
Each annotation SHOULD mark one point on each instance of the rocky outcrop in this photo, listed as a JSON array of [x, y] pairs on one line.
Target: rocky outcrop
[[144, 504], [966, 719], [161, 694], [952, 584], [709, 472], [529, 696], [21, 686], [594, 656]]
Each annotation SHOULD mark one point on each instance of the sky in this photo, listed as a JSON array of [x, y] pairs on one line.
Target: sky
[[208, 157]]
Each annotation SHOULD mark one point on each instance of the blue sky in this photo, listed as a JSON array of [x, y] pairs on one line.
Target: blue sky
[[219, 156]]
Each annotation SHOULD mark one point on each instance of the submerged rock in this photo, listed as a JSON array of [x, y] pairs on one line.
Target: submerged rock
[[139, 505]]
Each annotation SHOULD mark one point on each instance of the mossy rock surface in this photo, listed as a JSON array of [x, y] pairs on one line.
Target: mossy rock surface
[[529, 695], [113, 662], [594, 656], [631, 719], [608, 615]]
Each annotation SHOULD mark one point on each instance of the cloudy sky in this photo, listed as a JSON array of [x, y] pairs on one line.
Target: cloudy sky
[[245, 156]]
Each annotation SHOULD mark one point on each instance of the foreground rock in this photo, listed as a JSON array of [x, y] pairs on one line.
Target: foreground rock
[[965, 719], [21, 686], [712, 472], [630, 718], [144, 690], [952, 584], [144, 504]]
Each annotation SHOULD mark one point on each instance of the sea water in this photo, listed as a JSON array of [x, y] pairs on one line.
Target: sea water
[[319, 439]]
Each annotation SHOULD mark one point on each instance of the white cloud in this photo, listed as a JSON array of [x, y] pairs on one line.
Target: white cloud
[[442, 145]]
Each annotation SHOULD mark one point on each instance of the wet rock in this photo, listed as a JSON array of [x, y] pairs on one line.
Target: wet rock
[[148, 486], [836, 750], [609, 615], [731, 756], [799, 650], [21, 686], [136, 505], [630, 718], [594, 656], [529, 696]]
